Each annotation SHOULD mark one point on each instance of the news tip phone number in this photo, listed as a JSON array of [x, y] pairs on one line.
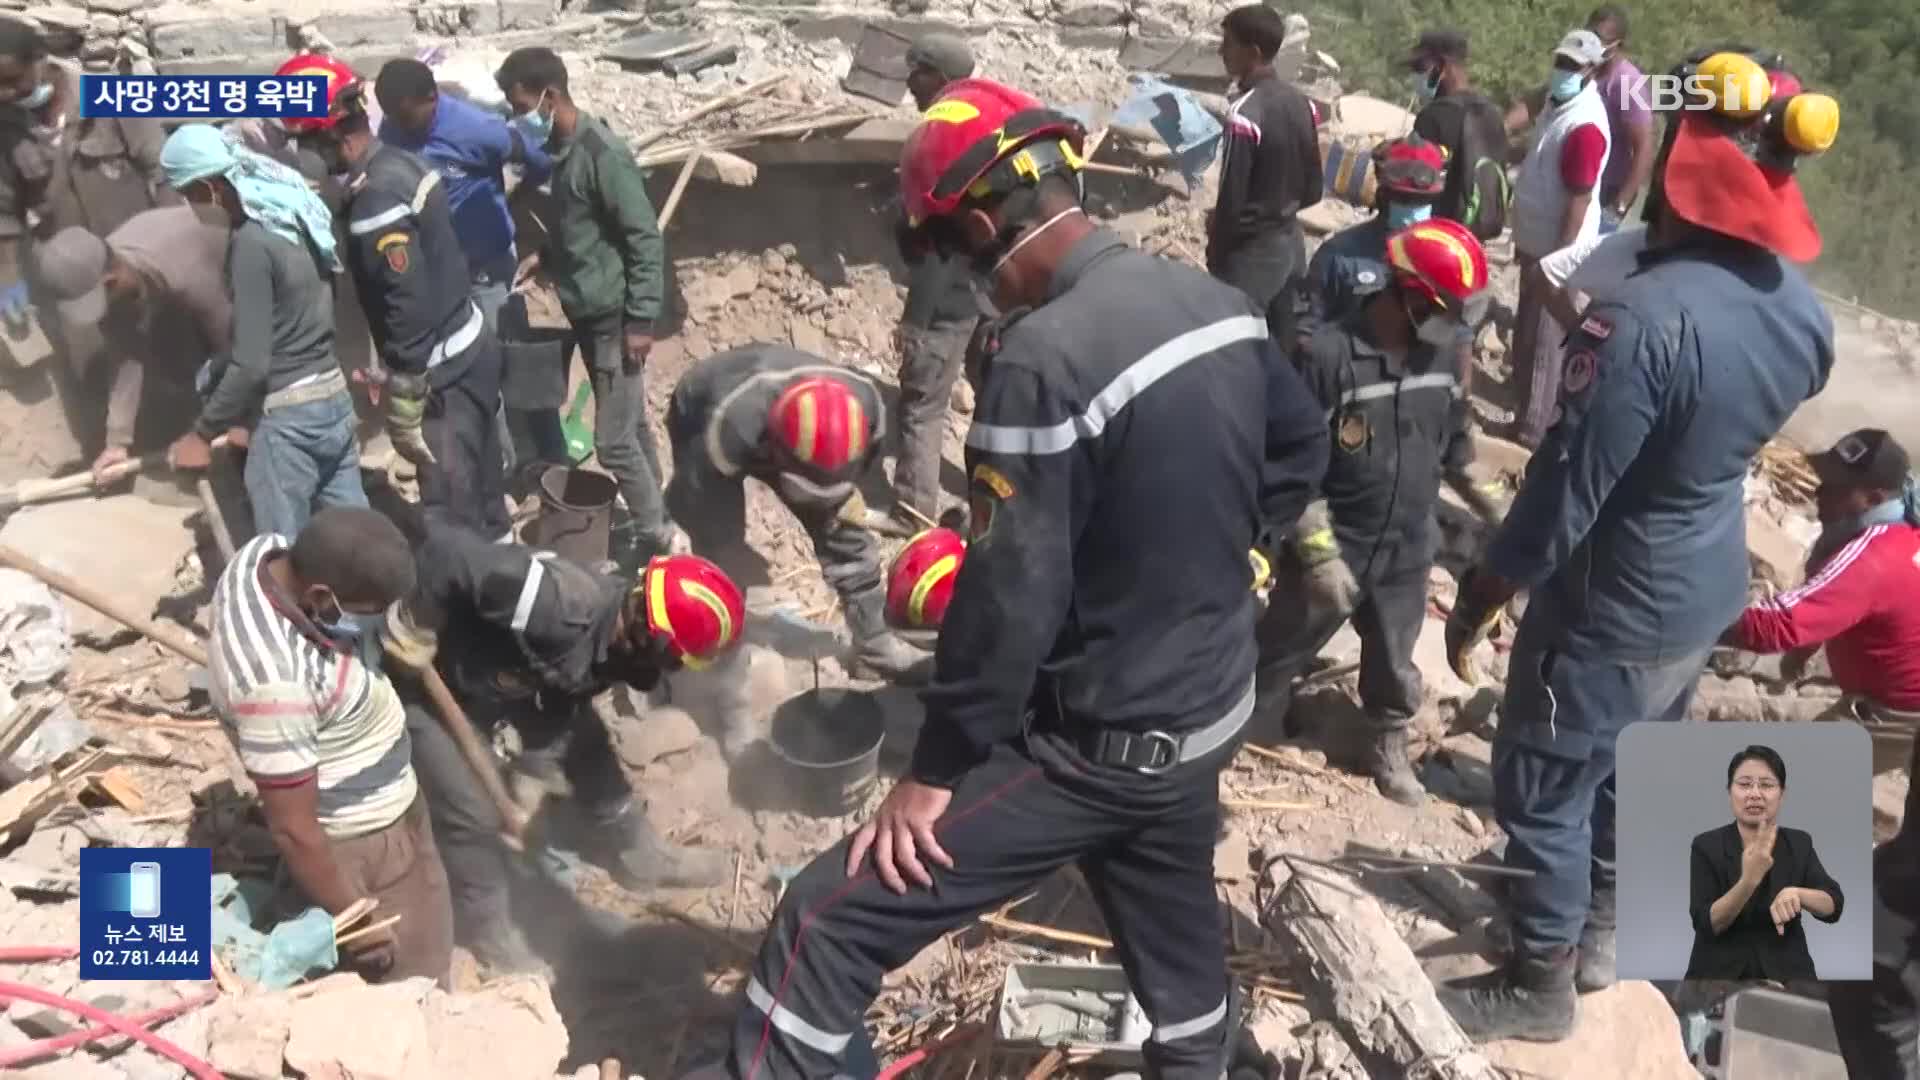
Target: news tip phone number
[[185, 97], [144, 957]]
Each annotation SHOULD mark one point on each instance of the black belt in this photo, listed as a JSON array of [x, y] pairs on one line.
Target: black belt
[[1156, 752]]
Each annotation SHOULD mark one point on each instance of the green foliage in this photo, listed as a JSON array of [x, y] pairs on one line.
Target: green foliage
[[1865, 52]]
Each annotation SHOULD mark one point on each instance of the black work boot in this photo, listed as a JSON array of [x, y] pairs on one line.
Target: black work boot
[[502, 949], [1388, 762], [878, 652], [1596, 971], [1532, 998], [628, 848]]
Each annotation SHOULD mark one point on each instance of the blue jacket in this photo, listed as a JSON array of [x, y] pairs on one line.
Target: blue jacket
[[469, 146], [1629, 527]]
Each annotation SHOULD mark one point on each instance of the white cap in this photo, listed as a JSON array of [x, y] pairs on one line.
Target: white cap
[[1583, 47]]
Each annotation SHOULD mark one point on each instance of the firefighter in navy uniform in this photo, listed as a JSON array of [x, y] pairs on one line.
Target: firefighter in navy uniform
[[526, 638], [1095, 663], [1628, 532], [1384, 378], [443, 366], [809, 429]]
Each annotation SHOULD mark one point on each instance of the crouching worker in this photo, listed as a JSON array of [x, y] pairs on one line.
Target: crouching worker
[[920, 580], [807, 429], [1385, 377], [324, 737], [525, 638]]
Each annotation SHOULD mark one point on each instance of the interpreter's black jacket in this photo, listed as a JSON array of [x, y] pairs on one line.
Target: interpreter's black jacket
[[1750, 947]]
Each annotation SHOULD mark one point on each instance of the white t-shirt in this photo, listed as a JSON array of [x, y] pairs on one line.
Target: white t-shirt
[[1596, 264]]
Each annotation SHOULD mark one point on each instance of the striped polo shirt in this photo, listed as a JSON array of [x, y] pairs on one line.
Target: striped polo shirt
[[299, 707]]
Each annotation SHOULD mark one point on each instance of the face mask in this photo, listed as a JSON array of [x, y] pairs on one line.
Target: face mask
[[356, 634], [988, 263], [536, 126], [38, 99], [1562, 85], [1426, 85], [1399, 217]]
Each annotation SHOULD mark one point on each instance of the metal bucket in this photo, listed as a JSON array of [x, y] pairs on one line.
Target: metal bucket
[[829, 740], [576, 514]]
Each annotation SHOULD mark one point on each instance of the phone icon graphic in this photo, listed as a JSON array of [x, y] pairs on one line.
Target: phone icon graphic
[[143, 892]]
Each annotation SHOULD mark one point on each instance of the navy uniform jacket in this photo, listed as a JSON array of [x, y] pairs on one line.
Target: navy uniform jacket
[[1390, 421], [1346, 269], [1629, 527], [408, 266], [1129, 436], [720, 406]]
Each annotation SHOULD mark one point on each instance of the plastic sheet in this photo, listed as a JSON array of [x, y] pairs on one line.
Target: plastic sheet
[[1177, 117], [280, 957]]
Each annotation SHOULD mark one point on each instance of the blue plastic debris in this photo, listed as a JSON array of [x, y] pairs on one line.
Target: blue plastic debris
[[1189, 130], [282, 956]]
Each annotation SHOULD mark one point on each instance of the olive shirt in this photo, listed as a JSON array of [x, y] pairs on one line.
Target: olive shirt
[[604, 252], [72, 171]]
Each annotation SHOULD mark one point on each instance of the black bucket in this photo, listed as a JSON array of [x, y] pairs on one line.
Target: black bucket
[[576, 514], [829, 740], [534, 361]]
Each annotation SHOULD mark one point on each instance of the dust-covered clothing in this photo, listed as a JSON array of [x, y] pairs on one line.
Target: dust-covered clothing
[[301, 707], [282, 329], [399, 867]]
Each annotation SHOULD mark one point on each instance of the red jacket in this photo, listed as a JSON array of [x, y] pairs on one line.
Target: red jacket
[[1864, 605]]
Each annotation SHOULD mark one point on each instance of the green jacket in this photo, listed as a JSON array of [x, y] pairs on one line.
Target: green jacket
[[604, 253]]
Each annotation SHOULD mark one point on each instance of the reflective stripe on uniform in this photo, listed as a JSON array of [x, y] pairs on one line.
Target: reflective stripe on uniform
[[459, 341], [1375, 391], [1129, 384], [795, 1028], [1187, 1029], [392, 214], [530, 590]]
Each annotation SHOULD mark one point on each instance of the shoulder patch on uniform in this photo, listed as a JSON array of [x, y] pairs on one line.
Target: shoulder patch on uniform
[[389, 240], [1596, 328], [994, 480], [1353, 431], [1582, 365], [399, 258], [1366, 277]]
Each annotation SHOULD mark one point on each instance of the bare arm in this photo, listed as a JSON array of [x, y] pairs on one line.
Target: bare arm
[[295, 826], [1817, 902]]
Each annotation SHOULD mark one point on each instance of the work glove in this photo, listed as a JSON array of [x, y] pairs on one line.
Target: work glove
[[405, 643], [14, 301], [1476, 610], [406, 408], [1331, 585]]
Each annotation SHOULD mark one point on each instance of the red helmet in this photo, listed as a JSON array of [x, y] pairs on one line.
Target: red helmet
[[1411, 167], [693, 607], [979, 138], [821, 424], [1441, 260], [920, 582], [339, 77]]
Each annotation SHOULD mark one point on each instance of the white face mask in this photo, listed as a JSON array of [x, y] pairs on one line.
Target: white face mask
[[1030, 234]]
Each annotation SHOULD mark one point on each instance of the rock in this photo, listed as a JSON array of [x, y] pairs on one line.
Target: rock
[[507, 1031], [70, 1068], [1430, 657], [178, 31], [660, 731], [171, 684], [1777, 556], [1089, 12], [1274, 1026], [1728, 700], [743, 280], [1358, 116], [1630, 1027], [63, 17], [116, 7], [47, 863], [82, 537], [362, 1033], [247, 1036], [807, 337]]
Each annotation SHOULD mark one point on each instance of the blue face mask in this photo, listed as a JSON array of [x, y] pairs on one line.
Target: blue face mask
[[1562, 85], [1426, 85], [357, 634], [38, 99], [1399, 217], [535, 126]]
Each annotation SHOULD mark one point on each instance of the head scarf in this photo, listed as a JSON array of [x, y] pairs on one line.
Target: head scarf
[[272, 194]]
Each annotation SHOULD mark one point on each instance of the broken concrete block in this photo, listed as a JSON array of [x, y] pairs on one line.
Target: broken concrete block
[[1630, 1027], [83, 538], [247, 1037], [1778, 557], [116, 7], [363, 25], [179, 32], [524, 14], [331, 1036], [1089, 12], [507, 1031], [63, 17]]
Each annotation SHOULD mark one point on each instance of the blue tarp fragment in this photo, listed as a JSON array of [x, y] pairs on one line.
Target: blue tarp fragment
[[1176, 116]]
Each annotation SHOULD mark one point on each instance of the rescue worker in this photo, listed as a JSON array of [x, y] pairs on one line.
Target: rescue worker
[[1269, 172], [471, 147], [1555, 204], [156, 287], [1384, 378], [809, 430], [339, 795], [303, 454], [1410, 175], [920, 579], [527, 639], [1627, 531], [938, 320], [1095, 663], [441, 388], [608, 264], [60, 170]]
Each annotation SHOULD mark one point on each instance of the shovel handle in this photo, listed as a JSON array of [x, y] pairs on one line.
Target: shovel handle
[[453, 720]]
